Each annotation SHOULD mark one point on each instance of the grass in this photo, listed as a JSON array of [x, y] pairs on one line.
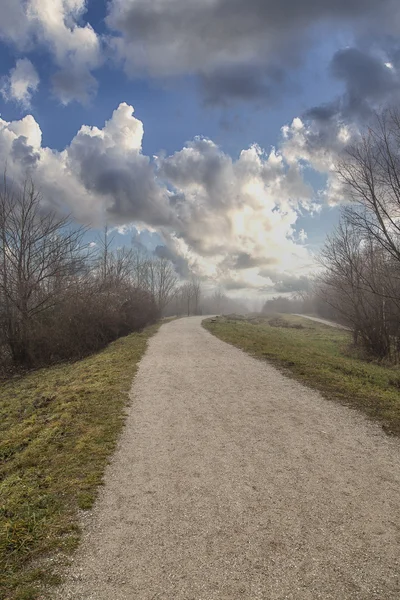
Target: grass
[[58, 427], [321, 357]]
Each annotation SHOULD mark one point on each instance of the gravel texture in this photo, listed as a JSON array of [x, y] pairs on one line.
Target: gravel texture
[[232, 481]]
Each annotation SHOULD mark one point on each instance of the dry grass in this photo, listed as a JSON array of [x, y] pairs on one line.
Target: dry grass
[[58, 426], [321, 357]]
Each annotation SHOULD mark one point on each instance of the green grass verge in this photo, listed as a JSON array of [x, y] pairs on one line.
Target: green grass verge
[[321, 357], [58, 427]]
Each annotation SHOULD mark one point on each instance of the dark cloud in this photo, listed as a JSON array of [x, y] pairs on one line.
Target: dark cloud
[[231, 285], [230, 25], [322, 113], [246, 261], [391, 46], [74, 83], [25, 154], [135, 193], [293, 284], [370, 82], [203, 164], [243, 82], [180, 264], [239, 49], [367, 78], [125, 176], [286, 283]]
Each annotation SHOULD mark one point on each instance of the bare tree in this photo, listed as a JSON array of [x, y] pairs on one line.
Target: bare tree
[[186, 292], [370, 172], [39, 260], [219, 303], [154, 274], [162, 281], [218, 300], [196, 293], [363, 260], [103, 255], [356, 283], [140, 268]]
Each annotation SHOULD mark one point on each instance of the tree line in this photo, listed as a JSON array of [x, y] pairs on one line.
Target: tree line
[[361, 259], [359, 281], [62, 299]]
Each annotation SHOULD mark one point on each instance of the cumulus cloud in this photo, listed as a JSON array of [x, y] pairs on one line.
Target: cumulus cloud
[[102, 175], [318, 144], [236, 216], [56, 24], [21, 83], [239, 49], [226, 220], [371, 81], [109, 162]]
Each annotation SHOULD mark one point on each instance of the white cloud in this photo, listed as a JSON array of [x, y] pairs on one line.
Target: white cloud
[[319, 145], [302, 235], [75, 48], [236, 216], [101, 175], [228, 220], [21, 83]]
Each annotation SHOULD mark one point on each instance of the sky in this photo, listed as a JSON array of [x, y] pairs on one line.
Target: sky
[[207, 131]]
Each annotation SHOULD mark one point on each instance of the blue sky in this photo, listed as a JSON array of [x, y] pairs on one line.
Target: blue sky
[[202, 163]]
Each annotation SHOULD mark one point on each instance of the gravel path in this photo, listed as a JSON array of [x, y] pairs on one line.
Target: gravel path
[[232, 481], [324, 322]]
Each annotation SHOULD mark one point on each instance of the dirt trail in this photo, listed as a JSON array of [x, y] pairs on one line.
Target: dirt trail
[[232, 481]]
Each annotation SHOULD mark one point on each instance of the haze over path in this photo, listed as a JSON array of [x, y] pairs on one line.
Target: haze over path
[[232, 481]]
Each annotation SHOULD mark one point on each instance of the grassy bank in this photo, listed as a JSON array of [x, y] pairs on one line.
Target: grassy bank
[[58, 426], [321, 357]]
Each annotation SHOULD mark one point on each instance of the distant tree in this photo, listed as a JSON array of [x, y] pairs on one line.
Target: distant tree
[[57, 300], [162, 280], [186, 292], [196, 293]]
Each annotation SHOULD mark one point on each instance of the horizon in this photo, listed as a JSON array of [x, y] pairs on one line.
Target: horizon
[[211, 130]]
